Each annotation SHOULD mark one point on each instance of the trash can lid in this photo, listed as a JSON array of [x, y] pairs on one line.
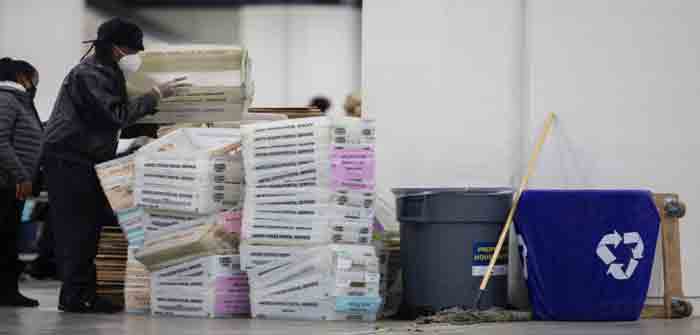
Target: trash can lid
[[402, 192]]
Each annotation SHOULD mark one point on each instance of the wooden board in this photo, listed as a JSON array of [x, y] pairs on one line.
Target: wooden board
[[290, 112], [671, 248]]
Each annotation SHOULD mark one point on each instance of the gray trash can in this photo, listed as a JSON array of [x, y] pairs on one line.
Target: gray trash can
[[448, 236]]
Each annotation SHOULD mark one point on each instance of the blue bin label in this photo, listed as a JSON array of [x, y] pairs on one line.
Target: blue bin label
[[482, 253]]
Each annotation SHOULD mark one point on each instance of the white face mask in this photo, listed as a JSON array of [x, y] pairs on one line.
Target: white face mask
[[130, 64]]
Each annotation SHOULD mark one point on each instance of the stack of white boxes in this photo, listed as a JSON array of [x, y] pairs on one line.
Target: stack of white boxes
[[309, 182], [189, 183], [330, 283], [210, 286], [192, 170]]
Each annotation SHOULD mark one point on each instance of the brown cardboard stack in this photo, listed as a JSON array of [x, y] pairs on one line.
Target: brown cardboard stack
[[111, 264], [290, 112], [137, 287], [389, 252]]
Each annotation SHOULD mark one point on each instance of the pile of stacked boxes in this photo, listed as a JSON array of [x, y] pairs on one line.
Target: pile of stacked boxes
[[185, 219], [310, 192], [189, 181], [177, 198], [306, 230], [212, 286]]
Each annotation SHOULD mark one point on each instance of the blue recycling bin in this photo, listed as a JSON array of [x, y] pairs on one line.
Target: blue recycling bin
[[587, 254]]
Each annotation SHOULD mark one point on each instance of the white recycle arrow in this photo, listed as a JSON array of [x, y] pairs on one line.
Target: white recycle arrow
[[630, 267], [616, 271], [614, 239], [634, 238], [603, 251]]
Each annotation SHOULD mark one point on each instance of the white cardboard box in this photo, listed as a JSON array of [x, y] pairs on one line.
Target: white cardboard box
[[221, 90]]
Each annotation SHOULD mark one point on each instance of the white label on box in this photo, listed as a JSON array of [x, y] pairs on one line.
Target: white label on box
[[371, 277], [343, 283], [344, 263]]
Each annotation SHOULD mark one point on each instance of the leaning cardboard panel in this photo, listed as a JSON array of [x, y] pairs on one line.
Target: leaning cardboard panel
[[221, 90], [182, 246], [117, 179]]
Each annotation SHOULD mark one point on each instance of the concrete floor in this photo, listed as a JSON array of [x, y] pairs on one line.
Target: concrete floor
[[47, 320]]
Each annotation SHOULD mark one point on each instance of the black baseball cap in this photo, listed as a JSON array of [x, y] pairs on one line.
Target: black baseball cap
[[121, 33]]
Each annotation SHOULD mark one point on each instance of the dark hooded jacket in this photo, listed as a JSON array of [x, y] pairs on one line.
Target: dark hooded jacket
[[20, 137], [91, 108]]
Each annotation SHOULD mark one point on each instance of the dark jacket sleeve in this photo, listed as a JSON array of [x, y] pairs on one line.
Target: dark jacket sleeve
[[8, 156], [104, 106]]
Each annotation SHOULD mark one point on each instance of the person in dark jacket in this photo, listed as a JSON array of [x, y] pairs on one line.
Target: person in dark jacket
[[91, 109], [20, 151]]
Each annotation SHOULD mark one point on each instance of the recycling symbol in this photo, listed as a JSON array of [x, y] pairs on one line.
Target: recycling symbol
[[615, 269]]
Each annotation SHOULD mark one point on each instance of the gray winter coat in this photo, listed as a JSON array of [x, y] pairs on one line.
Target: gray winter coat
[[20, 137], [91, 108]]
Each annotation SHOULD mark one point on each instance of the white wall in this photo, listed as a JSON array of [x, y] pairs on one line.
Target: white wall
[[442, 81], [624, 78], [324, 57], [46, 34], [302, 51], [197, 25], [263, 30]]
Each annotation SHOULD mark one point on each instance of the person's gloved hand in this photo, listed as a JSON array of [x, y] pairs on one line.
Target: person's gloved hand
[[169, 88]]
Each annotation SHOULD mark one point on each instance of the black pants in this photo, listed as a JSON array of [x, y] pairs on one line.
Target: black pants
[[78, 210], [10, 217], [46, 262]]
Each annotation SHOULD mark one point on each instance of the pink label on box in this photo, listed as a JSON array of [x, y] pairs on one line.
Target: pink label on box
[[339, 152], [221, 310], [231, 298], [240, 291], [231, 221], [353, 185], [347, 169], [230, 283], [232, 305], [353, 169]]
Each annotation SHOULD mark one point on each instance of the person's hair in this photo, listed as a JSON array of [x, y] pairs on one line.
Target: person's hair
[[103, 52], [25, 69], [7, 70], [11, 69], [353, 105], [321, 103]]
